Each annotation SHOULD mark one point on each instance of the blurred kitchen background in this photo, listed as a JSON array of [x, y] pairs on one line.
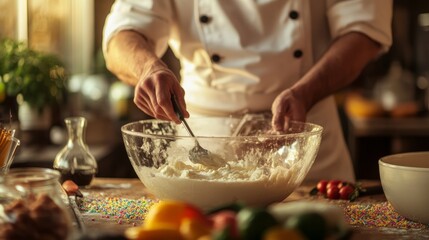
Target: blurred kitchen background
[[385, 111]]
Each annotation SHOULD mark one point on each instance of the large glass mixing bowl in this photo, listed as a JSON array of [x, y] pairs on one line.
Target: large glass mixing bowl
[[255, 165]]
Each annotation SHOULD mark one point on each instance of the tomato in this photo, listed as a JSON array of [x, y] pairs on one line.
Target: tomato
[[346, 192], [311, 224], [333, 192], [253, 222], [342, 184], [226, 219], [332, 183], [193, 212], [321, 186]]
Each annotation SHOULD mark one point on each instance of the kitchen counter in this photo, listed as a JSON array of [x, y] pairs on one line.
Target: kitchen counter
[[120, 189]]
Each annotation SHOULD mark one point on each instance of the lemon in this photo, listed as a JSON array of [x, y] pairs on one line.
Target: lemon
[[311, 224]]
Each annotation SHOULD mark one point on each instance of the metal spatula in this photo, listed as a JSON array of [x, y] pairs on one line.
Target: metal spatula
[[197, 154]]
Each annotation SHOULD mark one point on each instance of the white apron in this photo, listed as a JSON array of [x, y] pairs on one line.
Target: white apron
[[237, 56]]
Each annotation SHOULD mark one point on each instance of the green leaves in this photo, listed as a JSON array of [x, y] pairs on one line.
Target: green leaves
[[38, 77]]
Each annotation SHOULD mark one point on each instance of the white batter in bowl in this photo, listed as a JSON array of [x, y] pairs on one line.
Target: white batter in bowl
[[260, 168]]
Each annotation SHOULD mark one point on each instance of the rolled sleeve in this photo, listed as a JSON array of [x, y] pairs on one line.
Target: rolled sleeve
[[370, 17], [151, 18]]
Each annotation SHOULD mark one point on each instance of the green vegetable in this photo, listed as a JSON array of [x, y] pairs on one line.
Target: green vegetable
[[311, 224], [254, 222]]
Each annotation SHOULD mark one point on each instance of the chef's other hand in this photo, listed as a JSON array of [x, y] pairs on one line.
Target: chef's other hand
[[287, 107], [152, 94]]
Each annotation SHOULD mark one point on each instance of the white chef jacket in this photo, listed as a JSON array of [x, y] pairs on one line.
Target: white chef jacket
[[236, 56]]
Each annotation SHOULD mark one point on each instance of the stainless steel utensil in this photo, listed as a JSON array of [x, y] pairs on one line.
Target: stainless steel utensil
[[77, 220], [197, 154]]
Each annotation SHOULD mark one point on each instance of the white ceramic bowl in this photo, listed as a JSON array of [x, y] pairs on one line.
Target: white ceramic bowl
[[259, 168], [405, 181]]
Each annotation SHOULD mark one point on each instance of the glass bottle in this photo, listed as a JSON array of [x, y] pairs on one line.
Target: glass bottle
[[75, 162]]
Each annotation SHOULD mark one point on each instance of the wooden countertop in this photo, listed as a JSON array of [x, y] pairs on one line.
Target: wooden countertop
[[133, 189]]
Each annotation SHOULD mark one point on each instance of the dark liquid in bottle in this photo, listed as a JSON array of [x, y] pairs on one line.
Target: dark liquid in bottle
[[82, 177]]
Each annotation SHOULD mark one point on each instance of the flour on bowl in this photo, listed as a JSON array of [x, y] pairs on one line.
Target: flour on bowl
[[246, 180]]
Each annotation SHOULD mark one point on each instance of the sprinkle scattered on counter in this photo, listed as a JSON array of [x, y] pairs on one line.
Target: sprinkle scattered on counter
[[118, 208], [378, 215]]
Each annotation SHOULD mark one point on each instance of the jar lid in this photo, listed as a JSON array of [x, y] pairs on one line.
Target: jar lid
[[32, 176]]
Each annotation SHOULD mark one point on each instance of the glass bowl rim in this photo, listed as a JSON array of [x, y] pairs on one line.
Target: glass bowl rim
[[316, 131]]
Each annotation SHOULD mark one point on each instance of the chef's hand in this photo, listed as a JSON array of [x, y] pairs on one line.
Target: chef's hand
[[152, 93], [324, 79], [287, 107]]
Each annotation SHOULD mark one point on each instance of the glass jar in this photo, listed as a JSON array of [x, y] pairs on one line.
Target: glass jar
[[33, 199], [7, 153], [75, 162], [7, 196]]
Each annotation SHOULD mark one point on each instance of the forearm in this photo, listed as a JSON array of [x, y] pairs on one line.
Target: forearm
[[129, 56], [339, 66]]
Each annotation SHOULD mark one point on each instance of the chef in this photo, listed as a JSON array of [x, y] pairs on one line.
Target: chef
[[248, 56]]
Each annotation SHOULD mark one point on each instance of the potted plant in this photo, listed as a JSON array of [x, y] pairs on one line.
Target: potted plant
[[35, 78]]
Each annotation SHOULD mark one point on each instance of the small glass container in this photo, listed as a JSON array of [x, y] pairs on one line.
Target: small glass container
[[75, 162], [33, 199], [7, 196], [7, 153]]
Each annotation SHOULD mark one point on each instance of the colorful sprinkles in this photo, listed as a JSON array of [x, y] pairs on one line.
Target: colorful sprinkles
[[117, 208], [378, 215], [124, 210]]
